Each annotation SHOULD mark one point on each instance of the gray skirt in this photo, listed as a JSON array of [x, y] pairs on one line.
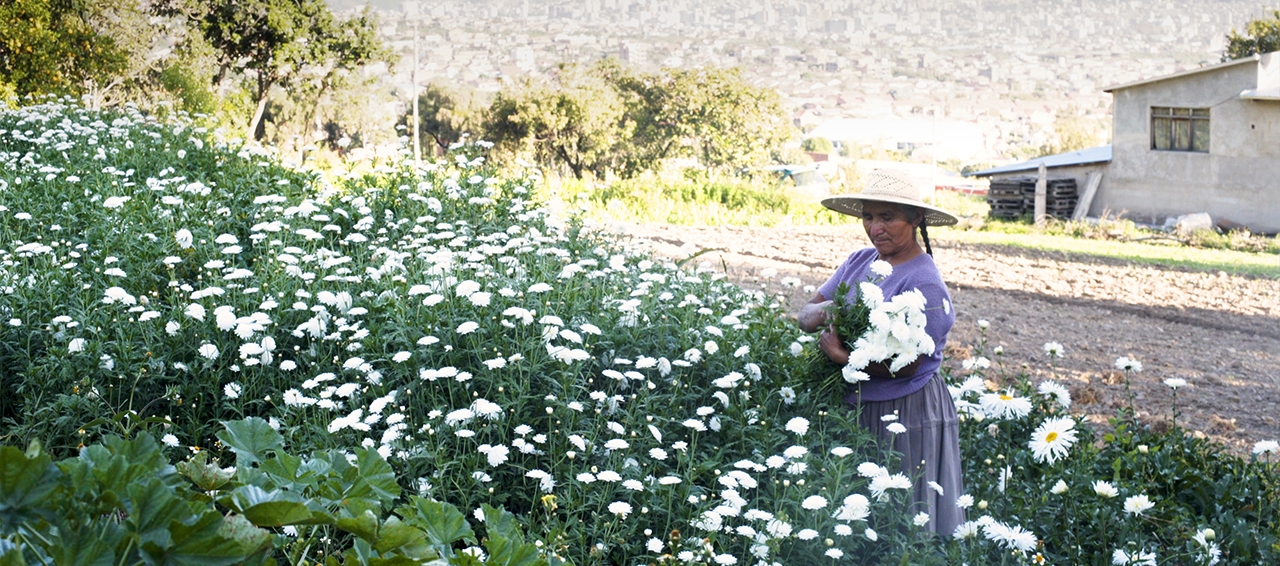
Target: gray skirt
[[930, 449]]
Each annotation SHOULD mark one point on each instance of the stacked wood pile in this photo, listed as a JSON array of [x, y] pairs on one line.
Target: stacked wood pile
[[1014, 197]]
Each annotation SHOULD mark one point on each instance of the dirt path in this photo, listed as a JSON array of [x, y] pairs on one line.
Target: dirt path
[[1220, 333]]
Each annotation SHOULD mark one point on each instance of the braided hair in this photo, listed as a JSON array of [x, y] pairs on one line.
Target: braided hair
[[915, 213]]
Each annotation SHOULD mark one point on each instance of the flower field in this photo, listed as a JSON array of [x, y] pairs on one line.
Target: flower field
[[413, 365]]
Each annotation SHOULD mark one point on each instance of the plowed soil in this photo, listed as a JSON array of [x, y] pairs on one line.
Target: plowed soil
[[1221, 333]]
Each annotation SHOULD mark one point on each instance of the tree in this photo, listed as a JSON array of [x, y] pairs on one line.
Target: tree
[[50, 47], [727, 123], [1261, 36], [446, 114], [817, 145], [575, 122], [710, 114], [344, 48], [276, 41]]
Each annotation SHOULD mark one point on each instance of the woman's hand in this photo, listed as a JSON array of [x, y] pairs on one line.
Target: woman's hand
[[814, 315], [833, 347]]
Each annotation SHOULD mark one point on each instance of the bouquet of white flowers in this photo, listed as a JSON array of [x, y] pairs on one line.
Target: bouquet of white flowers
[[873, 330]]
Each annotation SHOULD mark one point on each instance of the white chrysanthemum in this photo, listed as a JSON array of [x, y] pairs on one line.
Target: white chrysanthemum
[[1266, 447], [921, 519], [467, 327], [1055, 390], [966, 530], [814, 502], [1053, 349], [1059, 488], [1052, 439], [209, 351], [1105, 489], [881, 268], [1004, 405], [880, 485], [856, 507], [1128, 364], [1010, 537], [1137, 504], [1175, 383], [852, 374], [169, 440], [798, 425]]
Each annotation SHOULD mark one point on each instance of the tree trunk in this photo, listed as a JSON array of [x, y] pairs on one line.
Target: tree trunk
[[264, 87], [257, 118]]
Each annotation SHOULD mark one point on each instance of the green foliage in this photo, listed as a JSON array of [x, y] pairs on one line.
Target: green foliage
[[446, 114], [573, 122], [49, 47], [817, 145], [1260, 36], [121, 502], [275, 40], [381, 356], [740, 202], [1193, 483]]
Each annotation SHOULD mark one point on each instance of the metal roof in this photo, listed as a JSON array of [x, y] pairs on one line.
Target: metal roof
[[1100, 154], [1223, 65], [1259, 94]]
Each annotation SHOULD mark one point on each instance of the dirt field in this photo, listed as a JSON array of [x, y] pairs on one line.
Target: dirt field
[[1220, 333]]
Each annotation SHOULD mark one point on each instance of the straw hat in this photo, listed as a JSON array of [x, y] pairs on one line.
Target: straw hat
[[894, 186]]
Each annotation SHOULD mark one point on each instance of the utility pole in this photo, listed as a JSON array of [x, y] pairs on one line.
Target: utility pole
[[411, 9]]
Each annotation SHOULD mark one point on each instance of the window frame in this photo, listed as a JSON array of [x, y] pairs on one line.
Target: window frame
[[1184, 129]]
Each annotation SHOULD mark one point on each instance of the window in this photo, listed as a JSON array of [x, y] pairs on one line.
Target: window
[[1180, 129]]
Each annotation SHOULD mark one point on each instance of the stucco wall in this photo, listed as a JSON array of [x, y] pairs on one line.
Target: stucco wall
[[1238, 180]]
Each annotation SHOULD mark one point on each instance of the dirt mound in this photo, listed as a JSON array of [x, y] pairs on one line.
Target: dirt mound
[[1220, 333]]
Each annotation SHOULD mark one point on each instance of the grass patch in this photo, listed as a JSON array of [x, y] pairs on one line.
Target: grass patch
[[685, 202], [1174, 256]]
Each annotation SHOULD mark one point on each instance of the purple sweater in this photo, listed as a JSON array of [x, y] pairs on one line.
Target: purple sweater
[[917, 273]]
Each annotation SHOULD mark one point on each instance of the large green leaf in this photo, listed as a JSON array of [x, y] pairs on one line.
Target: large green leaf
[[271, 508], [408, 540], [203, 542], [250, 538], [504, 551], [250, 439], [364, 525], [206, 476], [378, 475], [152, 507], [24, 485], [87, 545], [442, 522]]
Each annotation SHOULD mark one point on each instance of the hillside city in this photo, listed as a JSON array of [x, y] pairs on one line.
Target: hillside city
[[980, 80]]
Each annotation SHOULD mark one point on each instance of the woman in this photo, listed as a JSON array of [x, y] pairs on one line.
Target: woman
[[891, 212]]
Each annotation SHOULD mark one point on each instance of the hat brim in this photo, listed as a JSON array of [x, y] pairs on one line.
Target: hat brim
[[852, 205]]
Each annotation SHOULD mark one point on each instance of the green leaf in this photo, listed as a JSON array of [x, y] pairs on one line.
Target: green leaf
[[442, 522], [25, 483], [379, 476], [204, 542], [268, 508], [152, 507], [206, 476], [250, 439], [87, 545], [250, 538], [11, 554], [504, 551], [396, 535], [364, 525]]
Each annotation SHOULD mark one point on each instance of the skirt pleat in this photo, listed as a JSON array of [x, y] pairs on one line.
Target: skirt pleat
[[930, 449]]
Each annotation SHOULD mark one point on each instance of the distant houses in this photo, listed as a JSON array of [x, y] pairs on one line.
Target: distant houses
[[1204, 140]]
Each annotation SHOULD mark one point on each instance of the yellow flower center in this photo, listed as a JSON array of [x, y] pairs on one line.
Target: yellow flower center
[[1052, 436], [1006, 397]]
